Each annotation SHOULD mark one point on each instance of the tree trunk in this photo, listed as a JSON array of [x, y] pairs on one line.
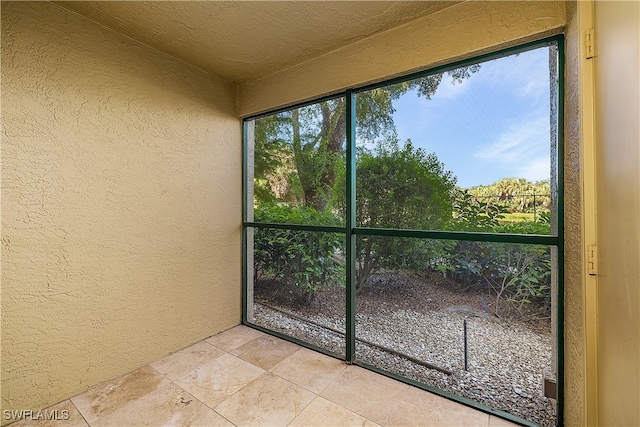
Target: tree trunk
[[317, 165]]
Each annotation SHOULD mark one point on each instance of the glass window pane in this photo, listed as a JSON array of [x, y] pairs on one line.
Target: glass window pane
[[297, 286], [469, 149], [416, 295], [296, 165]]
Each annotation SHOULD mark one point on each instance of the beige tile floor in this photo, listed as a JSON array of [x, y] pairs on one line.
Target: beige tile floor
[[244, 377]]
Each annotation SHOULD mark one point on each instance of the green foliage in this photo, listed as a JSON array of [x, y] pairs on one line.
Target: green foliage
[[399, 187], [298, 263], [402, 187], [427, 86], [545, 218], [275, 175], [287, 214], [473, 214], [463, 260], [519, 274], [515, 274], [528, 266], [525, 227]]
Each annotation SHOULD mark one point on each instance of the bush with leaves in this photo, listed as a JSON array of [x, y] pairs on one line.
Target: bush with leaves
[[515, 274], [399, 187], [297, 263], [523, 272], [466, 260]]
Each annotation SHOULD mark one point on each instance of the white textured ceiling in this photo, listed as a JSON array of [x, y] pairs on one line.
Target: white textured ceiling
[[245, 40]]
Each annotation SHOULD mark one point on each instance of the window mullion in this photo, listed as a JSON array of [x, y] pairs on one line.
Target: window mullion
[[350, 236]]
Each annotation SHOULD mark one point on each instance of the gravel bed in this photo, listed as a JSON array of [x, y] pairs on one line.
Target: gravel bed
[[318, 336], [506, 358]]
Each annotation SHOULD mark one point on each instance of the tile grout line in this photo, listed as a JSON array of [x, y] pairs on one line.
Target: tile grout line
[[79, 412], [195, 397], [270, 371]]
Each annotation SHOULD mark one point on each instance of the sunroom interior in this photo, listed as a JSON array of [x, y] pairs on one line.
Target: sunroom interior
[[123, 143]]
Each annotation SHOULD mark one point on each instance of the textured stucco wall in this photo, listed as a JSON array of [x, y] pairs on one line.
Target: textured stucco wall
[[574, 318], [617, 67], [459, 31], [121, 203]]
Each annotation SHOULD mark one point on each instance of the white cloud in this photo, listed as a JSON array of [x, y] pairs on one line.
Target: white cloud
[[521, 150], [517, 140]]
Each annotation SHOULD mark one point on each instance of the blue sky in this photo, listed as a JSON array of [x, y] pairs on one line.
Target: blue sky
[[493, 125]]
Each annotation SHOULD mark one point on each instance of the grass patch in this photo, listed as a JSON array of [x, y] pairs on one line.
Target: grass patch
[[518, 217]]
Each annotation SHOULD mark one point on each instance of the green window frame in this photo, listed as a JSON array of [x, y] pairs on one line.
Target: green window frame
[[351, 231]]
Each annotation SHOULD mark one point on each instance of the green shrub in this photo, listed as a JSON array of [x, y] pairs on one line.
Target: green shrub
[[399, 186], [297, 263], [514, 274], [472, 214], [525, 275]]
